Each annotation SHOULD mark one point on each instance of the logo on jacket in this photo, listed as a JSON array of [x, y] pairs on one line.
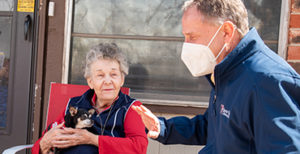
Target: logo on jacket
[[224, 112]]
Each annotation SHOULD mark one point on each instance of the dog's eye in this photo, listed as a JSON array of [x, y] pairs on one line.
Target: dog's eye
[[83, 117]]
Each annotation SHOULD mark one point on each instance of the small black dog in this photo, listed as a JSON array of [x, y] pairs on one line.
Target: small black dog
[[78, 118]]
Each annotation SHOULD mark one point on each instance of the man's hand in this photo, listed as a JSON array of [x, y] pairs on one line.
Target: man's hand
[[149, 119]]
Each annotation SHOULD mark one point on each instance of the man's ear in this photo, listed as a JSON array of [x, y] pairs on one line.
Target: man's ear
[[229, 29], [90, 82], [73, 111]]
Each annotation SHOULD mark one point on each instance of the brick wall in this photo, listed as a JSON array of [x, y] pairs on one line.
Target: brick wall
[[293, 53]]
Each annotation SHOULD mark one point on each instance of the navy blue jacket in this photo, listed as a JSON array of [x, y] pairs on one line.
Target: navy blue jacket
[[254, 106]]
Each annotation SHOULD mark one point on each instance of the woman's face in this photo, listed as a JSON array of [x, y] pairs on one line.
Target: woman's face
[[106, 79]]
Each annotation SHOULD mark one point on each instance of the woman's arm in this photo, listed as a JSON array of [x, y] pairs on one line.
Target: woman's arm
[[39, 147], [135, 140]]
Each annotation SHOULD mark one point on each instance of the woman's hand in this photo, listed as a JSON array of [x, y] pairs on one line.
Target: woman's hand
[[59, 137], [46, 142], [149, 119], [72, 137]]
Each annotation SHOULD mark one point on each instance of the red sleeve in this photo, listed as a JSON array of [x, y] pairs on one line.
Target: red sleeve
[[135, 141], [36, 147]]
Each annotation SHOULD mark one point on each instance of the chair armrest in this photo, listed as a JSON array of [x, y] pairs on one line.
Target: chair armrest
[[15, 149]]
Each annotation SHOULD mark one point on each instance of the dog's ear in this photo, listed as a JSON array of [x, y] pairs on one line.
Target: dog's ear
[[91, 111], [73, 111]]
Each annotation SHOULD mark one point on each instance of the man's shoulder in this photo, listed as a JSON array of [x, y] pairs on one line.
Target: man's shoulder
[[266, 64], [271, 71]]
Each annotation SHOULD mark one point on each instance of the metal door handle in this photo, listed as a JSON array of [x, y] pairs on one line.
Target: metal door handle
[[27, 26]]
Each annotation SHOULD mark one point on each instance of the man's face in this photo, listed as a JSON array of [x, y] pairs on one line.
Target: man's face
[[196, 30]]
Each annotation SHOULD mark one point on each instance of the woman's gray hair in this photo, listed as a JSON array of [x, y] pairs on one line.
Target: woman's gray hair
[[105, 51], [222, 10]]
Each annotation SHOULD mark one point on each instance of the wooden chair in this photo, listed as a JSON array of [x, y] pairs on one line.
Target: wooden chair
[[58, 99]]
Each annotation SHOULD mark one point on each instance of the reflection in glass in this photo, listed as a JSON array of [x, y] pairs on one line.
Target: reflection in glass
[[264, 15], [155, 67], [6, 5], [5, 35], [130, 17], [160, 17]]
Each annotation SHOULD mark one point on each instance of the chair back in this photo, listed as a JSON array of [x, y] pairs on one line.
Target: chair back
[[59, 97]]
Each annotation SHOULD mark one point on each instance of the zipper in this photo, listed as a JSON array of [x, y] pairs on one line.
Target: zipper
[[215, 95], [214, 105], [214, 108], [215, 98], [104, 125]]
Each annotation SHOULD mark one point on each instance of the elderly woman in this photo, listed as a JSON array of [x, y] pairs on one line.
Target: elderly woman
[[118, 129]]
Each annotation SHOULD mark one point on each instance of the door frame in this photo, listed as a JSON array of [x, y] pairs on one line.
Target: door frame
[[49, 55]]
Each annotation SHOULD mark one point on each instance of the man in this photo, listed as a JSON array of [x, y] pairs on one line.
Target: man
[[255, 98]]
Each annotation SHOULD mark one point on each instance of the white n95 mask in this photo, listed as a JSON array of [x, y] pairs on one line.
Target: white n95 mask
[[199, 58]]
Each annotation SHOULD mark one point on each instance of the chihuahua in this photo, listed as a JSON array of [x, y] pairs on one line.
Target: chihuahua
[[79, 118]]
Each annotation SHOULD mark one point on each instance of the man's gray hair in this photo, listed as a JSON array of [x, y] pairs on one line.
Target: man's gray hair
[[222, 10], [105, 51]]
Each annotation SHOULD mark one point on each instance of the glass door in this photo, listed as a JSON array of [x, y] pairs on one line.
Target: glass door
[[5, 36], [16, 69]]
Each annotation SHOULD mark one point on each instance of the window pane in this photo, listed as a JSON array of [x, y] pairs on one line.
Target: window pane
[[274, 47], [155, 65], [5, 35], [155, 68], [264, 15], [130, 17], [6, 5]]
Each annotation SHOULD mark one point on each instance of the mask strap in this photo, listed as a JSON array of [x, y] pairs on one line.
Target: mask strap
[[214, 35], [220, 51], [225, 45]]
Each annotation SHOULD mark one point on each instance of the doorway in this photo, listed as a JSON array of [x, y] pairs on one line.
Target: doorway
[[17, 61]]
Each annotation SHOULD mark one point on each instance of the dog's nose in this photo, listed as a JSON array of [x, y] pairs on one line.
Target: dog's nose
[[90, 122]]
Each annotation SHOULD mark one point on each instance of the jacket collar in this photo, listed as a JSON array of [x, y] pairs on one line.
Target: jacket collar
[[246, 47]]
